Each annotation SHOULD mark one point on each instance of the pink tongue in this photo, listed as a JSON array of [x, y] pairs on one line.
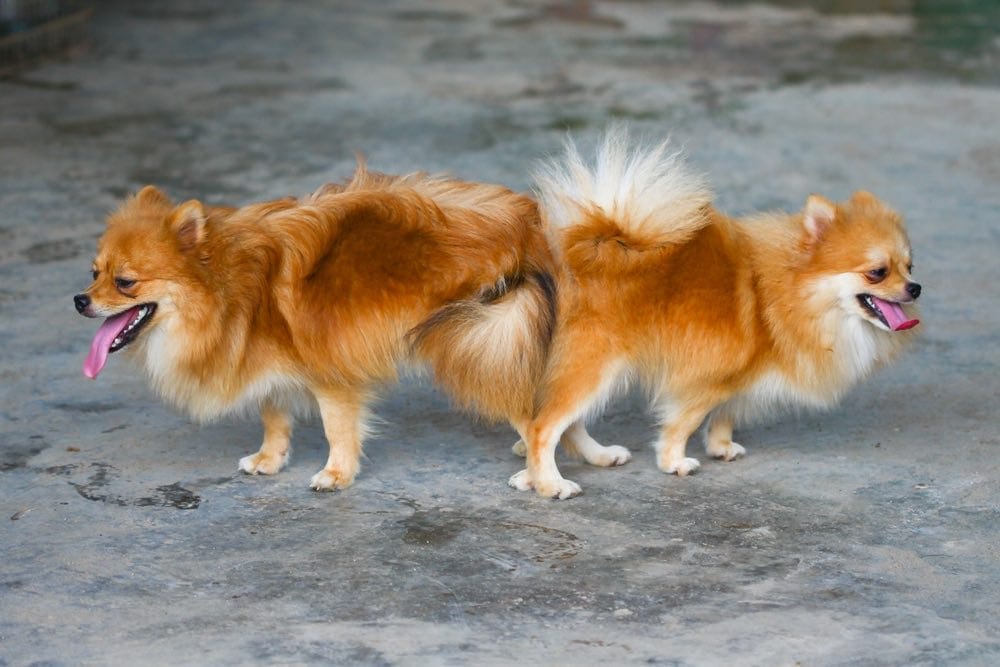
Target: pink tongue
[[894, 314], [101, 346]]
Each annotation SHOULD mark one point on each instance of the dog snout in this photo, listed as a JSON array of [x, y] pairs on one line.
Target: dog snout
[[913, 289], [82, 302]]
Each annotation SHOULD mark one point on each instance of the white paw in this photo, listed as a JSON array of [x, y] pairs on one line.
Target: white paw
[[613, 455], [557, 488], [682, 467], [330, 480], [561, 489], [725, 451], [262, 464], [520, 449], [520, 480]]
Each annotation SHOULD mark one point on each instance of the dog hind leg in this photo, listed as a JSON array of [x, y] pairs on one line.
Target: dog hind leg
[[719, 438], [572, 391], [343, 413], [577, 441], [682, 421]]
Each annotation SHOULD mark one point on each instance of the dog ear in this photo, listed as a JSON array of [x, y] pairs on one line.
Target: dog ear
[[188, 224], [151, 194], [864, 198], [817, 216]]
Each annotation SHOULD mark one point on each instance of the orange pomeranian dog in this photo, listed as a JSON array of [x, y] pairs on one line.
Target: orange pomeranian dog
[[720, 319], [288, 306]]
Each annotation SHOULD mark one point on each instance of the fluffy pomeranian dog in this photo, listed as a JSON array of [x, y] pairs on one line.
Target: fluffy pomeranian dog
[[289, 306], [721, 320]]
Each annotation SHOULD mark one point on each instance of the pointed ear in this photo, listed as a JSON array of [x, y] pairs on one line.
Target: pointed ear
[[817, 216], [188, 224], [151, 194], [863, 197]]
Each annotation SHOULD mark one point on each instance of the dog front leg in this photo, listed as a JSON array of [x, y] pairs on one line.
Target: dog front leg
[[343, 413], [274, 451]]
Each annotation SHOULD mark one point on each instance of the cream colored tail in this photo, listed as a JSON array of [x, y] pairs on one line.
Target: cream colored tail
[[489, 352], [640, 198]]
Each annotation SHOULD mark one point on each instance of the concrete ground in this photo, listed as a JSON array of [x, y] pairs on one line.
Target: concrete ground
[[867, 535]]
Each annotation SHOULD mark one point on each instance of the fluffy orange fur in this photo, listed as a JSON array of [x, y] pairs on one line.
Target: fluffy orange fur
[[291, 305], [294, 305], [718, 318]]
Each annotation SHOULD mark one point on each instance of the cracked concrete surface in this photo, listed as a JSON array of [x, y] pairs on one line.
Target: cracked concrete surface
[[865, 535]]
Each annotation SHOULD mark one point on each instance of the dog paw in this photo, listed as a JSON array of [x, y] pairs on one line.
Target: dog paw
[[681, 467], [610, 456], [262, 464], [557, 488], [520, 480], [330, 480], [520, 449], [727, 451]]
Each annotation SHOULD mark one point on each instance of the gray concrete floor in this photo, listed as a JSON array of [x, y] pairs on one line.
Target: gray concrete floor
[[865, 535]]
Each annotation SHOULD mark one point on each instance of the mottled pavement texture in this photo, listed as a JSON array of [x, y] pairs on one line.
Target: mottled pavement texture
[[867, 535]]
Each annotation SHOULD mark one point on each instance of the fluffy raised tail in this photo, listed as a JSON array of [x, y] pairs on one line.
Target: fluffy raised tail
[[630, 199]]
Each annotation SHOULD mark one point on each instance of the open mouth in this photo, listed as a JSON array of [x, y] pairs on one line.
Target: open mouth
[[888, 313], [116, 332], [136, 320]]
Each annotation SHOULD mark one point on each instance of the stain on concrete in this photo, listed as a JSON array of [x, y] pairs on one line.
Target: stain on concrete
[[341, 652], [87, 407], [431, 527], [53, 251], [17, 455], [432, 15], [170, 495], [38, 84], [97, 481], [574, 13], [212, 481], [174, 13], [273, 89], [62, 470], [102, 125]]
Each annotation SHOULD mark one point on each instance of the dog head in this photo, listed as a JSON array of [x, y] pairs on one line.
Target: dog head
[[861, 255], [144, 264]]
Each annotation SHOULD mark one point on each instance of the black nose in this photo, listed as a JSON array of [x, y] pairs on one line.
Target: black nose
[[82, 301], [913, 289]]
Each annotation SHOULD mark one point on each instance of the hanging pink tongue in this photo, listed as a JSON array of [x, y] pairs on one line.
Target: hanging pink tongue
[[101, 346], [894, 315]]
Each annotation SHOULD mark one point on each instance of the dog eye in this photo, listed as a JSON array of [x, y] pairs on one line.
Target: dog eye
[[876, 275], [94, 273], [123, 283]]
